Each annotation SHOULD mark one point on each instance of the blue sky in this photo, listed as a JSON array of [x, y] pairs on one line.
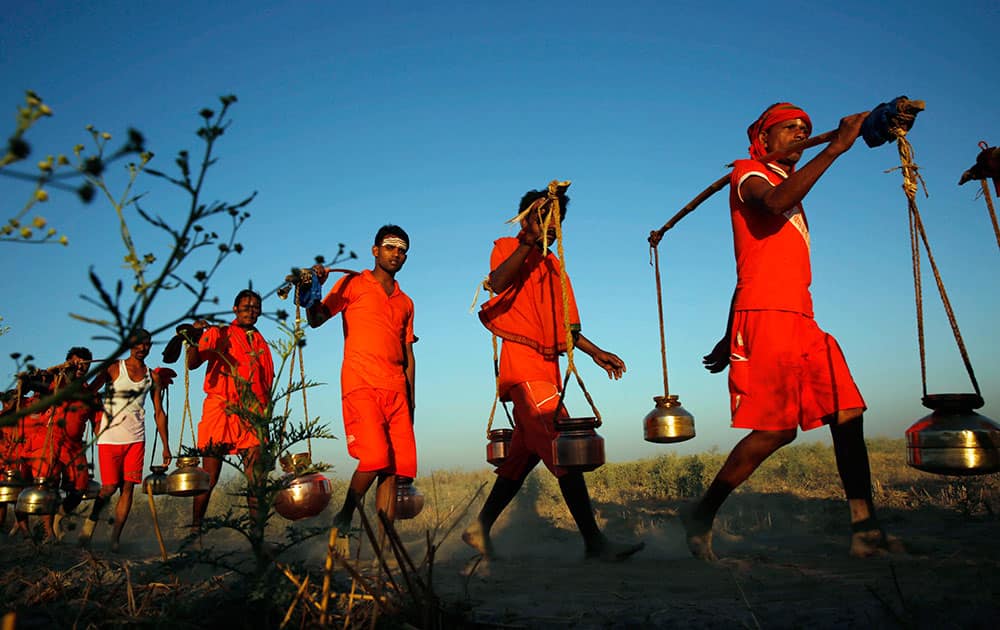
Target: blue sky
[[438, 116]]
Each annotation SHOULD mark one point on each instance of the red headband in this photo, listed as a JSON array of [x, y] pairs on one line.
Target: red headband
[[777, 113]]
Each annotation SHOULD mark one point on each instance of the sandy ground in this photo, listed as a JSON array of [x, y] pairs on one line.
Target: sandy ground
[[783, 564]]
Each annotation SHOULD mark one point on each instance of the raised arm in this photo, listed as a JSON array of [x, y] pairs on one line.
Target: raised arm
[[506, 272], [761, 195]]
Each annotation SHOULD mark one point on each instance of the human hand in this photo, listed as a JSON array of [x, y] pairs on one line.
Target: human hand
[[531, 230], [321, 272], [847, 132], [718, 359], [611, 363], [167, 457]]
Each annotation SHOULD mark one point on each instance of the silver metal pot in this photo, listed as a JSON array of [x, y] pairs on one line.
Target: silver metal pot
[[577, 445], [668, 421], [11, 485], [156, 481], [954, 439], [39, 498], [498, 447], [188, 479], [409, 500]]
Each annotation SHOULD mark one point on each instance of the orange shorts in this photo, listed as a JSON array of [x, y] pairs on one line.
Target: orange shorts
[[379, 431], [121, 462], [73, 461], [785, 372], [218, 427], [534, 429]]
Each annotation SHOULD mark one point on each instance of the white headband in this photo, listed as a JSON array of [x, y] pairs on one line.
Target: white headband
[[394, 240]]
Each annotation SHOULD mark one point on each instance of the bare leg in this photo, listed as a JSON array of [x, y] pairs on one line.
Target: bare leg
[[744, 459], [577, 498], [199, 505], [360, 482], [90, 524], [122, 510], [867, 537], [477, 535]]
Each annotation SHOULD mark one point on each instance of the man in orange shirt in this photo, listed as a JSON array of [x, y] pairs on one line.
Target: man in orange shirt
[[527, 314], [239, 376], [785, 373], [377, 376]]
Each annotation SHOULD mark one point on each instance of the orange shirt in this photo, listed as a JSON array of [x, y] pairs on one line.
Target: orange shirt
[[377, 328], [528, 316], [772, 251], [71, 420], [226, 347]]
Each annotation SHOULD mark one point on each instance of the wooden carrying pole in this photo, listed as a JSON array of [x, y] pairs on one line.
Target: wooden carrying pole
[[719, 184]]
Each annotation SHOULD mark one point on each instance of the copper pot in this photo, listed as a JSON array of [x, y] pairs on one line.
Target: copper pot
[[156, 481], [38, 498], [954, 439], [305, 495], [577, 445], [668, 422], [188, 479], [11, 485], [409, 500], [498, 447]]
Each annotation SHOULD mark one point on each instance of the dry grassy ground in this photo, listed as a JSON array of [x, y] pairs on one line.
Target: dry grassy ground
[[782, 539]]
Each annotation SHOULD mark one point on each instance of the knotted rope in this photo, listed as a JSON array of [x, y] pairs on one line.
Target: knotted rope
[[654, 261], [296, 337], [911, 182], [496, 378]]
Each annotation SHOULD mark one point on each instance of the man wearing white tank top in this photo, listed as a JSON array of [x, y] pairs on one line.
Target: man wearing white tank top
[[121, 435]]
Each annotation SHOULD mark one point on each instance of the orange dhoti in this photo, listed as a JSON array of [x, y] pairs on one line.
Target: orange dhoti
[[218, 428]]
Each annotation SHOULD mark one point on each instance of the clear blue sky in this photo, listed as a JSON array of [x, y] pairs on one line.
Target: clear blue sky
[[438, 116]]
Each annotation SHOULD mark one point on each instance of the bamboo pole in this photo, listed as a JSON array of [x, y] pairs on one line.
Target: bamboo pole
[[719, 184], [156, 526]]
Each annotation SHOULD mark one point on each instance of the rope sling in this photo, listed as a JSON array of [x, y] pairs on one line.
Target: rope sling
[[918, 235], [296, 337]]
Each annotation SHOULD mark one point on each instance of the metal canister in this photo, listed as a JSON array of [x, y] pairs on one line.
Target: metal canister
[[668, 421], [954, 439], [188, 479], [498, 447], [409, 500], [577, 445]]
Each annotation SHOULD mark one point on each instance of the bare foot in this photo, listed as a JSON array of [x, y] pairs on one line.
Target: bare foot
[[479, 539], [874, 542], [699, 536], [614, 551]]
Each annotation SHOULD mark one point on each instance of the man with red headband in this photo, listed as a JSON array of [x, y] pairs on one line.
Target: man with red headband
[[377, 376], [785, 373]]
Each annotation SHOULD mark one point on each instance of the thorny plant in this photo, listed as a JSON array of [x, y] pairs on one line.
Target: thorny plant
[[122, 312]]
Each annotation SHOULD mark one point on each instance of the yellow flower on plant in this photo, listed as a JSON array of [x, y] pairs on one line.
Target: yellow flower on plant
[[106, 135], [25, 232], [39, 222], [45, 110], [63, 240], [41, 195], [51, 232]]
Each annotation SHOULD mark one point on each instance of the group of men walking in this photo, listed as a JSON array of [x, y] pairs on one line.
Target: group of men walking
[[785, 373]]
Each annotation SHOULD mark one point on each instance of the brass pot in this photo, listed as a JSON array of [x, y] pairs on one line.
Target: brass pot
[[668, 422], [306, 495], [155, 482], [188, 479], [954, 439], [11, 485], [38, 498], [409, 500], [498, 447], [577, 445]]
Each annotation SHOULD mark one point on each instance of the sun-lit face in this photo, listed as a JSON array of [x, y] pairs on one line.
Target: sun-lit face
[[77, 366], [779, 136], [390, 255], [247, 311], [140, 349]]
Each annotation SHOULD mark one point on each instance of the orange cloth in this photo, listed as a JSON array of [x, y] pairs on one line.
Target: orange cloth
[[226, 346], [528, 316], [772, 251], [379, 431], [534, 429], [785, 372], [121, 462], [377, 328], [218, 427], [70, 420], [777, 113]]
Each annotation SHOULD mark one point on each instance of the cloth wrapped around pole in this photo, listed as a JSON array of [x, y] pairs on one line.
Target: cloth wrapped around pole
[[887, 119]]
